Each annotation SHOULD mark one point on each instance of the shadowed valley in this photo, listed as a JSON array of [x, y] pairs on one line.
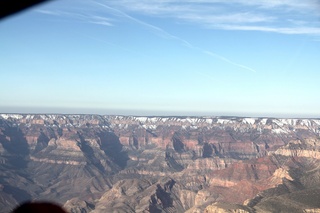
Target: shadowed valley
[[93, 163]]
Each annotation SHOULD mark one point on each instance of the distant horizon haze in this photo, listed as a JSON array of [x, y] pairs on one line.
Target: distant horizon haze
[[148, 113]]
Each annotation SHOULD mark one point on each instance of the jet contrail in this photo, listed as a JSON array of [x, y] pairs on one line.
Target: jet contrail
[[228, 61], [160, 32]]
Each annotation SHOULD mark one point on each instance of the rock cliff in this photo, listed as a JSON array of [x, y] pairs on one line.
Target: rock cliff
[[94, 163]]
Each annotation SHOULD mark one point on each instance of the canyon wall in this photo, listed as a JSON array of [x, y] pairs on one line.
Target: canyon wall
[[94, 163]]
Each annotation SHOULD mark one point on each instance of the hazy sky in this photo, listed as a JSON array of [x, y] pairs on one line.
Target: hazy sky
[[194, 57]]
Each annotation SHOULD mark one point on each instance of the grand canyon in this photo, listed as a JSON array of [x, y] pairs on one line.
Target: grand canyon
[[97, 163]]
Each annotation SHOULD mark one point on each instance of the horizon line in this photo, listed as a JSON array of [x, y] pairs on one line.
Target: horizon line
[[169, 115]]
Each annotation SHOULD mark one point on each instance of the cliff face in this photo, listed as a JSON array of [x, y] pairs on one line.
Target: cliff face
[[152, 164]]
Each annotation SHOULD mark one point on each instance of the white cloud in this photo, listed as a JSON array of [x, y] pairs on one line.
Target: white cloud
[[49, 12], [283, 30], [85, 17], [228, 18], [161, 32], [285, 16]]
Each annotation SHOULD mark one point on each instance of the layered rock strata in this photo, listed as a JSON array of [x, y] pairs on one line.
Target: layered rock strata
[[93, 163]]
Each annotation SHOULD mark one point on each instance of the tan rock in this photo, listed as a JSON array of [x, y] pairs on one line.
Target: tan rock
[[226, 208]]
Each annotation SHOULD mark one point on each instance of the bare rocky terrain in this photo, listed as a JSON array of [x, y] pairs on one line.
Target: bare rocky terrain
[[93, 163]]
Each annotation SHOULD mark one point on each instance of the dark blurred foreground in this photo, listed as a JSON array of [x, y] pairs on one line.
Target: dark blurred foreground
[[39, 207], [10, 7]]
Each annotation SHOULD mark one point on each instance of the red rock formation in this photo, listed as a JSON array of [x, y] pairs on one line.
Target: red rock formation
[[134, 161]]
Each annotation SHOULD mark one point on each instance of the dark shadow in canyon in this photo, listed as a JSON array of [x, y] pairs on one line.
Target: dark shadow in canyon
[[207, 150], [112, 147], [18, 194], [89, 153], [17, 147], [42, 142], [16, 156], [164, 197], [177, 143], [171, 162]]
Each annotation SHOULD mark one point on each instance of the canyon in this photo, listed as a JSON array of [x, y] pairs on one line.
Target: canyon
[[109, 163]]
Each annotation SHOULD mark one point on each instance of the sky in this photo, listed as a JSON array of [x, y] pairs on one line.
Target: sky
[[163, 57]]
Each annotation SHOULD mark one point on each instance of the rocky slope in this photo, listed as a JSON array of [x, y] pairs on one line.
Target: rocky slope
[[93, 163]]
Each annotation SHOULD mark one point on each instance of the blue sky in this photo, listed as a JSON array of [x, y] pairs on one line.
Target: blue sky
[[237, 57]]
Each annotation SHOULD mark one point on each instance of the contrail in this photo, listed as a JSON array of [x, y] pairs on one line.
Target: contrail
[[160, 32], [157, 30], [228, 61]]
